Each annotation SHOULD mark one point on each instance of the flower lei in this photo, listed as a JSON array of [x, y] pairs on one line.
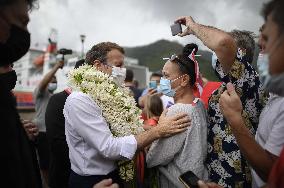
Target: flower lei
[[117, 105]]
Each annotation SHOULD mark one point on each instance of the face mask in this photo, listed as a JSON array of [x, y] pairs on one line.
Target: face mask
[[118, 75], [214, 60], [272, 83], [262, 66], [52, 87], [16, 46], [8, 80], [166, 88]]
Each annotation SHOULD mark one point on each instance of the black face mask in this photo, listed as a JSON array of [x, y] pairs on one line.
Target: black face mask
[[8, 81], [16, 46]]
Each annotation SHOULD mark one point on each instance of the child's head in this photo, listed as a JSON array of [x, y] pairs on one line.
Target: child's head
[[154, 106]]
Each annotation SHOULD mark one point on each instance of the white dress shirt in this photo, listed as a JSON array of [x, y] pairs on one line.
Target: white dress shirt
[[92, 148]]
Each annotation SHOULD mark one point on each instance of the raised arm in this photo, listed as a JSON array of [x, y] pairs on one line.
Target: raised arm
[[48, 77], [215, 39]]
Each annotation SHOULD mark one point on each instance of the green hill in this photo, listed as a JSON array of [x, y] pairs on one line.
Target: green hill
[[151, 56]]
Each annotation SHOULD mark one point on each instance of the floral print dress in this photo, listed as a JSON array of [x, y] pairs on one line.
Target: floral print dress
[[226, 165]]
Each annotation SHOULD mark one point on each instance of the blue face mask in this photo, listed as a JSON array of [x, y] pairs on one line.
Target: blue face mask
[[166, 88]]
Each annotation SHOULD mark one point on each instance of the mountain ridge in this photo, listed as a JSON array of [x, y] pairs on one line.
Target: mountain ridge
[[151, 56]]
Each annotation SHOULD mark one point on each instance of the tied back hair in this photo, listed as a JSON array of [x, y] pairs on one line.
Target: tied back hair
[[186, 65]]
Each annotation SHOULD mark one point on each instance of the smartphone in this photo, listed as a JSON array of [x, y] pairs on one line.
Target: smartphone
[[153, 84], [176, 29], [189, 179]]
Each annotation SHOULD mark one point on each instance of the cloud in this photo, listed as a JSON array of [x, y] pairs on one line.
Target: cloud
[[135, 22]]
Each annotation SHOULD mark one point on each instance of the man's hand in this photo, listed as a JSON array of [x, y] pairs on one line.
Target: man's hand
[[30, 128], [106, 183], [60, 64], [152, 92], [168, 126], [201, 184], [230, 105], [143, 99], [188, 22]]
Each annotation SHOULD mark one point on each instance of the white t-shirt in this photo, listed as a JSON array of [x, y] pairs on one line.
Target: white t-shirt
[[270, 132]]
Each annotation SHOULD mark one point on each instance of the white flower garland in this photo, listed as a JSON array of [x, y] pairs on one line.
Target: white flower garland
[[117, 105]]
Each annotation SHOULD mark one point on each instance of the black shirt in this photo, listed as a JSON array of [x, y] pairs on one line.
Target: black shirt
[[59, 168], [137, 93], [19, 167]]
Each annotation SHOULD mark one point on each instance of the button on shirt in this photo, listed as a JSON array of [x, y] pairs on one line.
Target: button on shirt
[[92, 148], [226, 165]]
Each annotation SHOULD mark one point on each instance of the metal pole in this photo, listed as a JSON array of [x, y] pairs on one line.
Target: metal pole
[[82, 40]]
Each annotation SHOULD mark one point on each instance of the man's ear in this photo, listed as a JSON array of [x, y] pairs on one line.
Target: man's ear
[[97, 63]]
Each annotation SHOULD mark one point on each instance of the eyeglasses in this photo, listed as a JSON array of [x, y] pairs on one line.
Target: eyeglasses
[[175, 58], [172, 58]]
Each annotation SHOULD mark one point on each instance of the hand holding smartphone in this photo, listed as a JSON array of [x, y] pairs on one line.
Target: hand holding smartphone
[[189, 179], [153, 84]]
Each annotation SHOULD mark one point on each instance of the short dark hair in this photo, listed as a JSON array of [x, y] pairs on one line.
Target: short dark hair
[[244, 39], [156, 74], [129, 75], [79, 63], [275, 7], [100, 51], [31, 3]]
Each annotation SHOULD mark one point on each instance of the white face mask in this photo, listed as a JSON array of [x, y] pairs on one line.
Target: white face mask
[[263, 66], [118, 75], [272, 83], [52, 87]]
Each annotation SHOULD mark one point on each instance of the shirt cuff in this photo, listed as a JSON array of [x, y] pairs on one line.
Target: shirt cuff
[[273, 149], [129, 147]]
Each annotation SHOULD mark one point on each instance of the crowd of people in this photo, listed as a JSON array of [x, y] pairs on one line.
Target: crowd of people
[[228, 133]]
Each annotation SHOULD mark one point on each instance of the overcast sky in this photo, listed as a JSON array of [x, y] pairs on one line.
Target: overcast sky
[[135, 22]]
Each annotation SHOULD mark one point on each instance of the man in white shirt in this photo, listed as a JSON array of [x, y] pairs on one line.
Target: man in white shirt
[[93, 150]]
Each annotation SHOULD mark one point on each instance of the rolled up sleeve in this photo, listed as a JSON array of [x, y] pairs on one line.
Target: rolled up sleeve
[[275, 141]]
